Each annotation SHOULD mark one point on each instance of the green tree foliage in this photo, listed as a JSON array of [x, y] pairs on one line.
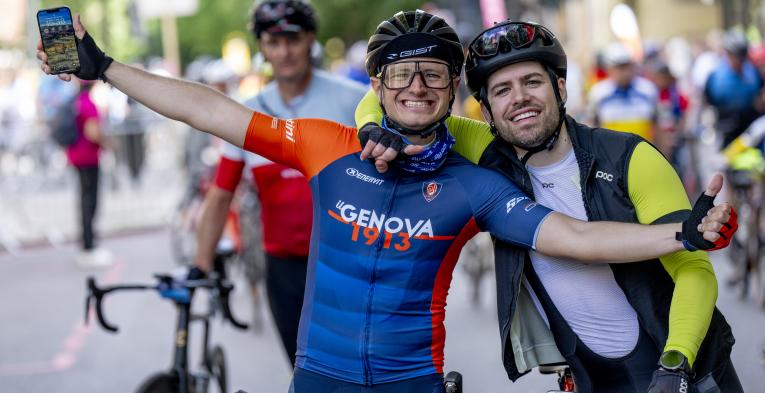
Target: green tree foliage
[[204, 32], [354, 20]]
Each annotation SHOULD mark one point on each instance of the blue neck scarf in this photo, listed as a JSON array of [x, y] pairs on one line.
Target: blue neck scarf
[[429, 159]]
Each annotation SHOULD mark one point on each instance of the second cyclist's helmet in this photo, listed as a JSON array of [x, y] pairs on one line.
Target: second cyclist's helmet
[[282, 16], [508, 43], [413, 34]]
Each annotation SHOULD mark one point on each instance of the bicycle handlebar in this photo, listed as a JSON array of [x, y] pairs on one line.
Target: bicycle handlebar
[[220, 287]]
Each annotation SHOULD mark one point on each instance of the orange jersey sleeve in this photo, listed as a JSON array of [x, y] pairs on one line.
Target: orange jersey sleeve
[[308, 145]]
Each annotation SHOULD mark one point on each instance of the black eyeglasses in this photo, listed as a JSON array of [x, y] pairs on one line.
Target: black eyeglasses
[[503, 37], [400, 75]]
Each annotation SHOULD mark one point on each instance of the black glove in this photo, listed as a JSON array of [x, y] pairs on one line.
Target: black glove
[[375, 133], [665, 381], [195, 273], [693, 240], [93, 61]]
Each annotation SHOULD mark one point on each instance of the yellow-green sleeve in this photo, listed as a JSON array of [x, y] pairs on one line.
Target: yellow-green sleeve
[[655, 190], [472, 135], [368, 110]]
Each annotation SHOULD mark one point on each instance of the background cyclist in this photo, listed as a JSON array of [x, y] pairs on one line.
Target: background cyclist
[[624, 101], [285, 31], [733, 89]]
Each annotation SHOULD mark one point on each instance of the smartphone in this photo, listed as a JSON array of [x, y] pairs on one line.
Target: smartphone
[[57, 33]]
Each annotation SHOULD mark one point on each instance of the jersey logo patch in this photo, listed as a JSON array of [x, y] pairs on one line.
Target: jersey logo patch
[[431, 189]]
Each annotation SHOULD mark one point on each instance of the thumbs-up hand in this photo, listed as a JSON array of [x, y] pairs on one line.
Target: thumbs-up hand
[[709, 227]]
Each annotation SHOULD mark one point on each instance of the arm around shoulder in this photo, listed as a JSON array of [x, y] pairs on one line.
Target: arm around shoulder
[[605, 241]]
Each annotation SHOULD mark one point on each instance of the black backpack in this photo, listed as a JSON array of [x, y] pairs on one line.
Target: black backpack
[[63, 125]]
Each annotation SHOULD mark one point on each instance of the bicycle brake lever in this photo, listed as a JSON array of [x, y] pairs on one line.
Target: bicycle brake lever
[[97, 294], [90, 284], [224, 289]]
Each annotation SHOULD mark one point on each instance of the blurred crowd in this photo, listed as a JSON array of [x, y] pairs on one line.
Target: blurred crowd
[[676, 94], [663, 88]]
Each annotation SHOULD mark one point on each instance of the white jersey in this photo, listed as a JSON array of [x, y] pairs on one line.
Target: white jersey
[[586, 295]]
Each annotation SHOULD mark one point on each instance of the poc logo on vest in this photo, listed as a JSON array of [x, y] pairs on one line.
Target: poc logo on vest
[[603, 175]]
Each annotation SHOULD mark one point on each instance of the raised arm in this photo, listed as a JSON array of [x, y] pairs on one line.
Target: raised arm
[[192, 103], [199, 106]]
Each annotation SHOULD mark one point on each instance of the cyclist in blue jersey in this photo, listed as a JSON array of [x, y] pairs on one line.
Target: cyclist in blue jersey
[[734, 89], [383, 246]]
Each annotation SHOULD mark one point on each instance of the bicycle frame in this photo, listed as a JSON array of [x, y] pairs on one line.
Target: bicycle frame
[[181, 354]]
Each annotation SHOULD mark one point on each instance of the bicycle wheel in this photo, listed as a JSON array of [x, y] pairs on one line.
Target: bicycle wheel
[[758, 263], [163, 382], [741, 247], [216, 366]]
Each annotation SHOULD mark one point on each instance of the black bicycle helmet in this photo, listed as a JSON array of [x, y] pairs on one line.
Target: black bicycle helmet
[[543, 47], [411, 34], [282, 16]]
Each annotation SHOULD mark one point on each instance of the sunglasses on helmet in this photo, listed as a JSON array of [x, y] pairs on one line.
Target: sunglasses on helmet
[[504, 37]]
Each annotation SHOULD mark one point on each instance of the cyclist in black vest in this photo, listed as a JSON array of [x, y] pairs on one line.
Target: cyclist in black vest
[[647, 326]]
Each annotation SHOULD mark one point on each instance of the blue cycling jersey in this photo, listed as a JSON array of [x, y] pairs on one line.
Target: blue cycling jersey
[[383, 248]]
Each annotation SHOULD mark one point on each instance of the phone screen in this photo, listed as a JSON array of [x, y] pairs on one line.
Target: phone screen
[[57, 33]]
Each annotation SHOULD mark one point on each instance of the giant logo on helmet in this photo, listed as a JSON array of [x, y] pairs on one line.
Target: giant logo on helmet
[[411, 52]]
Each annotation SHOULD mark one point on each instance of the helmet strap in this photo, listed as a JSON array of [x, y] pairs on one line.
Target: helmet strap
[[484, 98]]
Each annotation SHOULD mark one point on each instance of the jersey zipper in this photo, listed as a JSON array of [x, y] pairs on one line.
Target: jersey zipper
[[368, 380]]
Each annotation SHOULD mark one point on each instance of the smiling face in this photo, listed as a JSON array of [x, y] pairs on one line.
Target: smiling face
[[523, 103], [416, 106]]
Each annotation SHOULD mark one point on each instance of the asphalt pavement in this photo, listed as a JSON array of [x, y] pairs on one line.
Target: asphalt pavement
[[46, 348]]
